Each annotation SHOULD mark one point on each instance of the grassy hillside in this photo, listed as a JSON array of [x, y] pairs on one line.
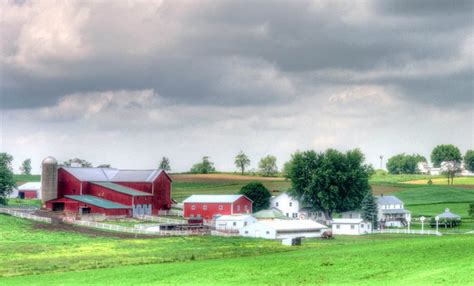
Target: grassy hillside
[[369, 260], [27, 178]]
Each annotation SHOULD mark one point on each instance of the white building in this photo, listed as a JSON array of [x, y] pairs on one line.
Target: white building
[[391, 212], [282, 229], [292, 208], [233, 222], [351, 226]]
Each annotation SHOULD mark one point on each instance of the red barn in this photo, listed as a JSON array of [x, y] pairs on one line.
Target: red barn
[[31, 190], [208, 206], [112, 192]]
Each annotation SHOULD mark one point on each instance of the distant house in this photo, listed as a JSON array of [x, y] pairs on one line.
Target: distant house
[[292, 208], [209, 206], [233, 222], [30, 190], [351, 226], [391, 212], [283, 229]]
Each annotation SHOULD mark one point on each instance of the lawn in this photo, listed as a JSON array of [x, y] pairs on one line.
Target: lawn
[[369, 260]]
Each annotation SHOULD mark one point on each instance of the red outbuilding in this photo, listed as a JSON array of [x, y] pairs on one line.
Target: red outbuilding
[[208, 206], [111, 192], [31, 190]]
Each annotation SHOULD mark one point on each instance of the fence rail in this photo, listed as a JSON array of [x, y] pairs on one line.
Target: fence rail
[[25, 215], [406, 231], [163, 220], [172, 212]]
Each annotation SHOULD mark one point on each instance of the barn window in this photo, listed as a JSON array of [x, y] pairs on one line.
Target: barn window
[[238, 208], [204, 207], [221, 207], [193, 207], [246, 207]]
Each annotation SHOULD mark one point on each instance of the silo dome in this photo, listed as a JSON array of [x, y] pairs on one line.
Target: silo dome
[[49, 160]]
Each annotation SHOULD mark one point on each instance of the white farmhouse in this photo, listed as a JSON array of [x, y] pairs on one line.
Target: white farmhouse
[[351, 226], [283, 229], [292, 208], [391, 212], [233, 222]]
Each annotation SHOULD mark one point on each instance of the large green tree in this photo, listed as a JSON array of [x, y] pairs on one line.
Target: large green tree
[[331, 181], [404, 164], [204, 167], [242, 161], [165, 164], [26, 167], [469, 160], [7, 181], [442, 153], [369, 209], [268, 166], [258, 193]]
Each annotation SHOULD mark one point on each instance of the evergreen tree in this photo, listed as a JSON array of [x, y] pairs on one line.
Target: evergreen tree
[[369, 209]]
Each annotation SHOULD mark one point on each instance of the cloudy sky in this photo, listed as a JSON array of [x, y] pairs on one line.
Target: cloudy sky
[[125, 82]]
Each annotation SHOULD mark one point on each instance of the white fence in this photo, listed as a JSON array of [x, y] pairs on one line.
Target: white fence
[[172, 212], [163, 220], [25, 215], [406, 231]]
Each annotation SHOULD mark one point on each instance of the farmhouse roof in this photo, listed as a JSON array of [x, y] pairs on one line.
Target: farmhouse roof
[[113, 175], [30, 186], [99, 202], [292, 225], [448, 214], [347, 220], [270, 214], [121, 189], [385, 200], [395, 211], [213, 198]]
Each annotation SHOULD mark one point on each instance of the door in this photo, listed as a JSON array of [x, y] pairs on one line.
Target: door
[[21, 195], [58, 207]]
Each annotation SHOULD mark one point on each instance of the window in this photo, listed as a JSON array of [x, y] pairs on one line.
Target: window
[[193, 207], [246, 207], [291, 204], [362, 226], [246, 232], [338, 226], [238, 208], [287, 214], [267, 232], [221, 207], [276, 204], [350, 215], [245, 223], [191, 215], [204, 207], [295, 215], [352, 226]]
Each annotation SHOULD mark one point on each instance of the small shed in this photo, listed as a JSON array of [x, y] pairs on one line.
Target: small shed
[[233, 222], [30, 190], [351, 226]]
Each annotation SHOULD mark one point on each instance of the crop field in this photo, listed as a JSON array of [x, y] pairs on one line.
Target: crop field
[[19, 179], [65, 258], [443, 181]]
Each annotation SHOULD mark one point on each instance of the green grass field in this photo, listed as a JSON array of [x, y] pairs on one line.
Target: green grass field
[[30, 256], [26, 178]]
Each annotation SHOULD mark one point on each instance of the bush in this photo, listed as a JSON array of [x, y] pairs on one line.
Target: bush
[[430, 182]]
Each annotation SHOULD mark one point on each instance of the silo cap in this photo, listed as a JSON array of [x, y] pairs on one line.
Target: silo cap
[[50, 160]]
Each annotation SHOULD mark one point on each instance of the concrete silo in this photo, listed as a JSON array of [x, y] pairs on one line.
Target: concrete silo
[[49, 179]]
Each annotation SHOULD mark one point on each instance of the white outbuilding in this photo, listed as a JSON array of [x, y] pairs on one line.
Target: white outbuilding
[[282, 229], [233, 222], [351, 226]]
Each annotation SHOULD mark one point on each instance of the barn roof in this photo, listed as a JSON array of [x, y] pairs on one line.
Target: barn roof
[[112, 175], [213, 198], [30, 186], [99, 202], [121, 189]]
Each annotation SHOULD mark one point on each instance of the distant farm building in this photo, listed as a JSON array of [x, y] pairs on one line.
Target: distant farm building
[[283, 229], [31, 190], [233, 222], [293, 208], [391, 212], [351, 226], [106, 191], [210, 206]]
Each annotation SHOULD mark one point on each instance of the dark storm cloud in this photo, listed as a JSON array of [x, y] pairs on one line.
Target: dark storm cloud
[[265, 46]]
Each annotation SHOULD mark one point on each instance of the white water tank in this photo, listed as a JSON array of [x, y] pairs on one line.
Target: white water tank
[[49, 179]]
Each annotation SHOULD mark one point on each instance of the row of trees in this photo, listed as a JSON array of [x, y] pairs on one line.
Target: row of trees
[[267, 165]]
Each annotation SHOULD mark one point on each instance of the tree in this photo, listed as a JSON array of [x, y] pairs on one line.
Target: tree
[[77, 161], [257, 192], [7, 181], [471, 210], [469, 160], [404, 164], [204, 167], [268, 166], [26, 167], [104, 166], [449, 169], [165, 164], [369, 209], [330, 181], [242, 161], [442, 153]]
